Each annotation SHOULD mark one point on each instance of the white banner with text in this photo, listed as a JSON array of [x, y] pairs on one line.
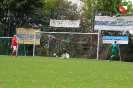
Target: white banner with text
[[124, 23], [65, 23]]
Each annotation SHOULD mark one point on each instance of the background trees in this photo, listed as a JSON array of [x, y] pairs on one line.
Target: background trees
[[14, 11], [33, 13], [103, 6]]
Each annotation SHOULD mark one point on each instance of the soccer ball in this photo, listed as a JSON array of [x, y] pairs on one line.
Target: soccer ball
[[54, 54]]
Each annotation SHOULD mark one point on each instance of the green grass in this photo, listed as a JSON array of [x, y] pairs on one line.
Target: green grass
[[51, 72]]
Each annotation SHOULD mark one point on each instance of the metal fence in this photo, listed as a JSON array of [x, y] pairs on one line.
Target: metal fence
[[5, 47]]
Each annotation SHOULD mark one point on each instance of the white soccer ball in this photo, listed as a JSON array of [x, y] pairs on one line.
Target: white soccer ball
[[54, 54]]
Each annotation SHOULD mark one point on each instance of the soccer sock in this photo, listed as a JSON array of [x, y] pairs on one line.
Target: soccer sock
[[111, 58], [12, 53]]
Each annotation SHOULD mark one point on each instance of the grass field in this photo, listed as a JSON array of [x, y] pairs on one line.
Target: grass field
[[51, 72]]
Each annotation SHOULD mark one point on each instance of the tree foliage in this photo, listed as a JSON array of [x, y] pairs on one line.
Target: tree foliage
[[91, 6], [24, 4], [29, 13], [13, 11]]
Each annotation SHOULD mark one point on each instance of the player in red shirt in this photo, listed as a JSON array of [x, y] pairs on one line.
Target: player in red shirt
[[14, 46]]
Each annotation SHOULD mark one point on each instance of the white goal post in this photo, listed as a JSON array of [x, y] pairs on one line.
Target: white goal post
[[78, 33]]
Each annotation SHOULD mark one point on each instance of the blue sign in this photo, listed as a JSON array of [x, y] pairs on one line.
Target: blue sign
[[119, 39], [28, 36]]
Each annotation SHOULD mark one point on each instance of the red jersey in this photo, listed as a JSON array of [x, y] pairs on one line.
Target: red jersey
[[14, 41]]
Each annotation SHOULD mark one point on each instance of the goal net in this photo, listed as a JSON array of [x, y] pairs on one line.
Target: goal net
[[78, 45]]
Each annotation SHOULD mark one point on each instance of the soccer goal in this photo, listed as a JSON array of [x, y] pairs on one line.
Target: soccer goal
[[78, 45]]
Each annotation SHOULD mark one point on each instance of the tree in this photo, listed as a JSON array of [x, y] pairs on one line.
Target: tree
[[61, 10], [91, 6], [13, 11]]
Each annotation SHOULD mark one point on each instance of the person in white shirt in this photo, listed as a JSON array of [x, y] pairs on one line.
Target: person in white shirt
[[67, 56]]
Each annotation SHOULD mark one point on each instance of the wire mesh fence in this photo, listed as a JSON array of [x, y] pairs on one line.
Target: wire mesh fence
[[5, 47]]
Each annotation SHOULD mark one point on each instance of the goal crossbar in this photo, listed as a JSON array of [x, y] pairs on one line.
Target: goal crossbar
[[64, 33]]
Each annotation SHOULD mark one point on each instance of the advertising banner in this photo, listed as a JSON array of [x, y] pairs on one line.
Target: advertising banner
[[26, 36], [65, 23], [119, 39], [124, 23]]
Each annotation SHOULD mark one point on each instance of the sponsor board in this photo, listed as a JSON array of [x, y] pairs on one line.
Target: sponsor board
[[26, 36], [65, 23], [119, 39]]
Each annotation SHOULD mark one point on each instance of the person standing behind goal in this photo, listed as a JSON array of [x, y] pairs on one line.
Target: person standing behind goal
[[14, 46]]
